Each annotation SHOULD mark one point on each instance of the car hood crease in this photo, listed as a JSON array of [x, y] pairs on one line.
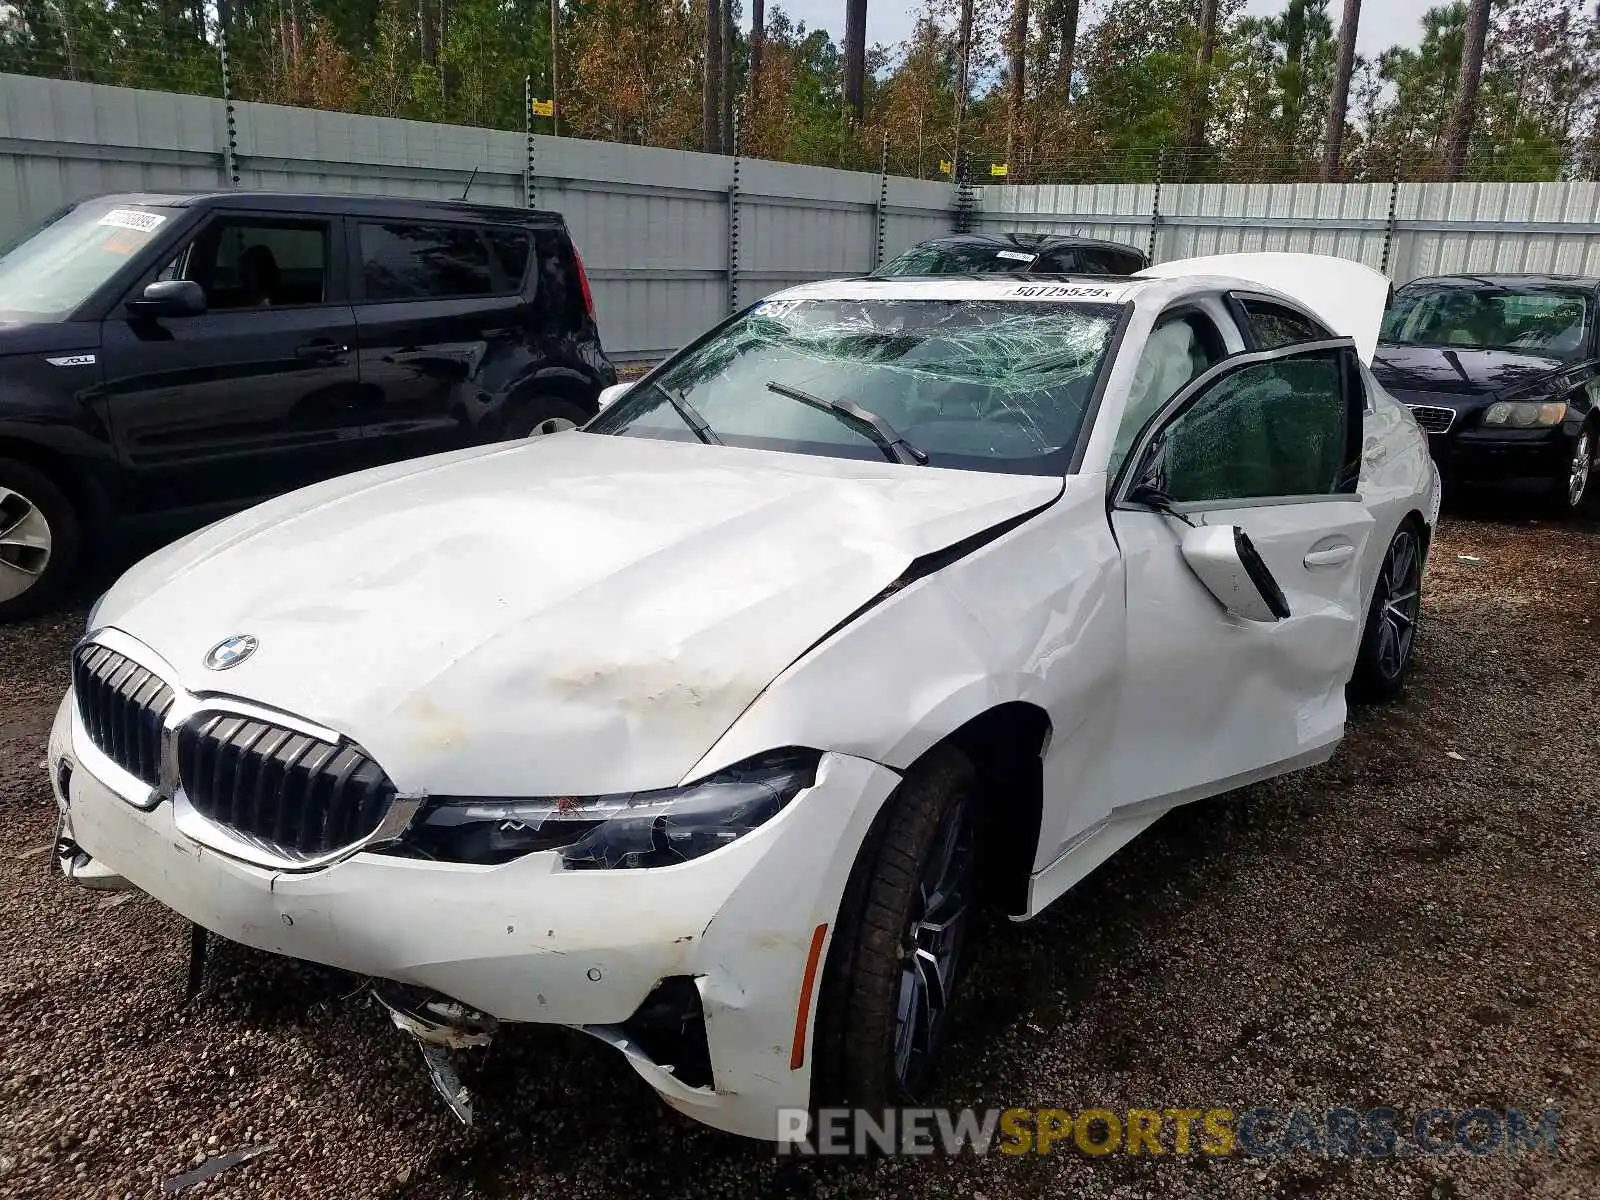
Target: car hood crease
[[574, 614]]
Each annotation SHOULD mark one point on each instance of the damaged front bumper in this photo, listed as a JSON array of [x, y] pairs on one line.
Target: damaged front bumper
[[620, 954]]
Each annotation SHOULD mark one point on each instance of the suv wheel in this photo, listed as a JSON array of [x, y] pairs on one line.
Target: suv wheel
[[543, 414], [901, 944], [39, 540], [1575, 491], [1390, 634]]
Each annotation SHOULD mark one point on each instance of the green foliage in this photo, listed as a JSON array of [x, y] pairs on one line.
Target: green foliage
[[1113, 87]]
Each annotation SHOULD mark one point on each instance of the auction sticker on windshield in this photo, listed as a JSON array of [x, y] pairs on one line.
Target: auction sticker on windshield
[[132, 218], [1037, 291]]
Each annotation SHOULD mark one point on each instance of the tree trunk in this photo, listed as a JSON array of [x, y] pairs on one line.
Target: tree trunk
[[428, 31], [1464, 115], [710, 94], [1339, 97], [1018, 85], [1069, 48], [1194, 137], [964, 50], [555, 68], [725, 69], [855, 55], [758, 41]]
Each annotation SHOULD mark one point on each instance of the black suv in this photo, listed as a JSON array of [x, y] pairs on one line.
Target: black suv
[[165, 360]]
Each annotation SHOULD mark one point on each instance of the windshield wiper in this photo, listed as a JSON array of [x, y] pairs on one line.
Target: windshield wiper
[[895, 448], [690, 414]]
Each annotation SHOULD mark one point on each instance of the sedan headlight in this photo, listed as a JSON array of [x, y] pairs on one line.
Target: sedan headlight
[[629, 829], [1525, 414]]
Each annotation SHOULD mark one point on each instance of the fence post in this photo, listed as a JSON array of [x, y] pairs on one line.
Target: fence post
[[230, 146], [1389, 224], [883, 202], [528, 189], [1155, 205], [966, 202], [733, 222]]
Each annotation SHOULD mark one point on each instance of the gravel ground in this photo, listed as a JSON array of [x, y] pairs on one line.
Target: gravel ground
[[1412, 924]]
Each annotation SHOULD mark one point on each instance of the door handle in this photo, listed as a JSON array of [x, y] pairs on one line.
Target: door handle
[[1333, 556], [321, 349]]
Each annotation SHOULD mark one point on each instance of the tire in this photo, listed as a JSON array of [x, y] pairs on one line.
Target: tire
[[1576, 491], [861, 1057], [1388, 638], [542, 414], [41, 540]]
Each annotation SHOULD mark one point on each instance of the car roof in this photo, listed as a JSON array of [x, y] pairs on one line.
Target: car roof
[[321, 202], [1028, 241], [1014, 285], [1513, 280]]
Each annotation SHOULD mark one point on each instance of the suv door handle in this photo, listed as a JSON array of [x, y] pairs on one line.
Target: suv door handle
[[1333, 556], [321, 349]]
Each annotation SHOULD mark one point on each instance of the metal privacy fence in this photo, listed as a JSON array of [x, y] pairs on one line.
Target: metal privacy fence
[[1405, 230], [675, 240]]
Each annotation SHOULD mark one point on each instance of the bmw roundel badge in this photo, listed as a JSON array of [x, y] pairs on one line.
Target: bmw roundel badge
[[230, 652]]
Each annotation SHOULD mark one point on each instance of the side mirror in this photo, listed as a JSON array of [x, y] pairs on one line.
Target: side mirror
[[1224, 560], [170, 298], [612, 394]]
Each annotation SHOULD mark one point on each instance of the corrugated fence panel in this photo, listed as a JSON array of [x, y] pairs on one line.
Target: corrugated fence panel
[[1109, 211], [1541, 227], [797, 224], [652, 226], [918, 209], [61, 141]]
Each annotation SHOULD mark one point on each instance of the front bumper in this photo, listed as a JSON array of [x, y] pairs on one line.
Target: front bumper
[[528, 940], [1482, 454]]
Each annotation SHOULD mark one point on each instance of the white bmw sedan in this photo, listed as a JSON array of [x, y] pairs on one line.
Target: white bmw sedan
[[698, 729]]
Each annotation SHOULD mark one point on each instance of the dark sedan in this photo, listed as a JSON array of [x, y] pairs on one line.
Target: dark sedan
[[1503, 371], [1042, 253]]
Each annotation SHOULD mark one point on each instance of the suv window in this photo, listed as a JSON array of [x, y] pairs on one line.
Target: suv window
[[1270, 429], [253, 262], [403, 260], [510, 248], [1274, 325], [1181, 348]]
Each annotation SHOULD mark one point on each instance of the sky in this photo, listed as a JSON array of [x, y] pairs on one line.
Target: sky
[[1396, 22]]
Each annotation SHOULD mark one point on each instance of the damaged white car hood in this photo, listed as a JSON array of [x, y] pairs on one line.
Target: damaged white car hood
[[571, 614]]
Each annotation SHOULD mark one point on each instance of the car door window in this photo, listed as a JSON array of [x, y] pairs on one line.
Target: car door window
[[1273, 325], [402, 260], [1279, 428], [251, 262], [1063, 262], [1181, 348]]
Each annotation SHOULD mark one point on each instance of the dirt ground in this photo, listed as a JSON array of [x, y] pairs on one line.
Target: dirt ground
[[1413, 924]]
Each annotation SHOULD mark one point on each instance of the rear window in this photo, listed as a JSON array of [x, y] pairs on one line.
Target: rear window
[[402, 260]]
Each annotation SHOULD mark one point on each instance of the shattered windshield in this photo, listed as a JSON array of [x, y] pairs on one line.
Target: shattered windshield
[[988, 385], [1530, 321]]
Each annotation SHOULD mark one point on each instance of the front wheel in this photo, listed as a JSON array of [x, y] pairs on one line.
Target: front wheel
[[39, 540], [902, 942], [1390, 634], [1575, 491]]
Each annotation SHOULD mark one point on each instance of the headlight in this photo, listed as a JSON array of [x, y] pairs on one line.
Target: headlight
[[631, 829], [1525, 414]]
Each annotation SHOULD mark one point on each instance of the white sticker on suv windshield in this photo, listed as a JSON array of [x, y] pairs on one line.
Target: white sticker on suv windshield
[[1018, 255], [132, 218]]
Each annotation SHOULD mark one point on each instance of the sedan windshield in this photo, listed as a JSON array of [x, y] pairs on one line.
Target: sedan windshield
[[970, 258], [988, 385], [53, 270], [1543, 321]]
